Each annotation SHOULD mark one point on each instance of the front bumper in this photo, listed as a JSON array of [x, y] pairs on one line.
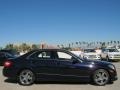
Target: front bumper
[[114, 58], [92, 58], [113, 75], [114, 78]]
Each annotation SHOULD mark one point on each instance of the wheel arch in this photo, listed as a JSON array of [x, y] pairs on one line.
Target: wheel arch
[[91, 76], [26, 68]]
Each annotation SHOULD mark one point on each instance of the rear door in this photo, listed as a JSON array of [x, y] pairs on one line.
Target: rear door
[[44, 63]]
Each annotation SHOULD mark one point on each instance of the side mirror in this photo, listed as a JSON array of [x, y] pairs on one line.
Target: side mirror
[[75, 61]]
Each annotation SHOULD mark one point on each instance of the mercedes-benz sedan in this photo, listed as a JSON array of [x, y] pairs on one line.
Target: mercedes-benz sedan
[[58, 65]]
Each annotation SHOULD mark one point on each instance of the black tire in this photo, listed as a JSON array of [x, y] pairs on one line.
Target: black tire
[[26, 77], [101, 77]]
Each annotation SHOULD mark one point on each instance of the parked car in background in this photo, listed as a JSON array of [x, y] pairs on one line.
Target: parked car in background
[[12, 52], [91, 54], [118, 49], [78, 53], [98, 51], [58, 65], [4, 56], [110, 54]]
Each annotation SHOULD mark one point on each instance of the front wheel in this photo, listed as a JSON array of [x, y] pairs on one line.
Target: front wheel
[[26, 77], [101, 77]]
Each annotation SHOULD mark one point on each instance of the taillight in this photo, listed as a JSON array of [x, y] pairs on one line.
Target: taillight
[[8, 64]]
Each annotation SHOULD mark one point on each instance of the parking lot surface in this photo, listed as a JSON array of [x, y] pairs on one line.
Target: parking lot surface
[[12, 85]]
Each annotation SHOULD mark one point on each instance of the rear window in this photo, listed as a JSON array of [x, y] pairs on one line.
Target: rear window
[[42, 55]]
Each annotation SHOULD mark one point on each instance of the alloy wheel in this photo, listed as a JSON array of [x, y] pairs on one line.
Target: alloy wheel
[[101, 77], [26, 77]]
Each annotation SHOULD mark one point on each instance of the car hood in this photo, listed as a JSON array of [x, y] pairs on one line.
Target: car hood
[[97, 62]]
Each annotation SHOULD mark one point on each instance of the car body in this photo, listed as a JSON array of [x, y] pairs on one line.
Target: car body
[[110, 54], [58, 65], [4, 56], [91, 54]]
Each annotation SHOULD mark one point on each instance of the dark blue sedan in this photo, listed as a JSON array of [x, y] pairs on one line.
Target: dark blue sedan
[[58, 65]]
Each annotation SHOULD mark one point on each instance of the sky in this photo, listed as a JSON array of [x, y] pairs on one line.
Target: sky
[[59, 21]]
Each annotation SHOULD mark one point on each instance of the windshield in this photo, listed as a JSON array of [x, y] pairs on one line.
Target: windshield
[[113, 50], [89, 50]]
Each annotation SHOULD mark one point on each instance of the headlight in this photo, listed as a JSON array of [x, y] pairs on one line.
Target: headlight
[[111, 66]]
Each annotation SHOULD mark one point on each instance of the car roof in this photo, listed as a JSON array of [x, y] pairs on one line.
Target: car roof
[[37, 50], [49, 50]]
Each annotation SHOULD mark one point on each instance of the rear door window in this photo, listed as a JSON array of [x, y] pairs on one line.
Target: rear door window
[[42, 55]]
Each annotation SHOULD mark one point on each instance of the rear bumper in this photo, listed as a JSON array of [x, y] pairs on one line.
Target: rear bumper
[[10, 73]]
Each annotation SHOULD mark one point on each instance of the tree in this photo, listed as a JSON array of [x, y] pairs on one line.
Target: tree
[[103, 45], [34, 47], [16, 47], [111, 42], [118, 42], [24, 47], [76, 43], [97, 43], [72, 44], [114, 42], [108, 43], [0, 48], [9, 46], [69, 45], [79, 43], [62, 45], [58, 46]]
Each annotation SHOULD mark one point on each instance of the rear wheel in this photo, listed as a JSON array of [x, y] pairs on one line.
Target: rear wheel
[[26, 77], [101, 77]]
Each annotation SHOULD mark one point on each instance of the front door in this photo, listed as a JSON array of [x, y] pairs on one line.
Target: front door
[[71, 67]]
